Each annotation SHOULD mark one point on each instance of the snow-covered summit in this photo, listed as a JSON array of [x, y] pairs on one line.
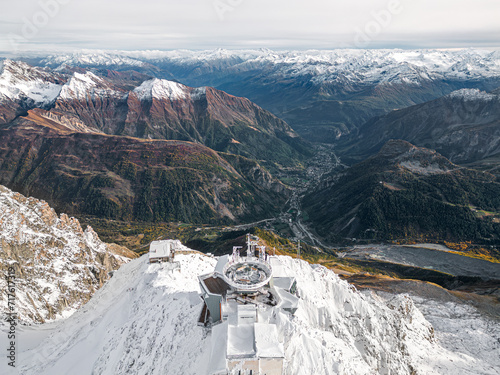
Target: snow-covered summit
[[144, 321], [82, 86], [19, 80], [161, 89]]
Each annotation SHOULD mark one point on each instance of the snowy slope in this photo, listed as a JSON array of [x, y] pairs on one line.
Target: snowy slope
[[161, 89], [472, 95], [88, 85], [20, 81], [58, 265], [143, 321]]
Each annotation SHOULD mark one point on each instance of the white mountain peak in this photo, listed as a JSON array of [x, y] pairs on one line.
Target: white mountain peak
[[19, 80], [82, 86], [161, 89]]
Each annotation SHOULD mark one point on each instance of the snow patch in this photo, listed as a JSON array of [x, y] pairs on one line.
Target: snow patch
[[198, 93], [426, 169], [472, 95]]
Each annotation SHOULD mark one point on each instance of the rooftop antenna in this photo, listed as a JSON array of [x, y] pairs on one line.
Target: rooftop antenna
[[252, 241], [236, 253], [262, 252]]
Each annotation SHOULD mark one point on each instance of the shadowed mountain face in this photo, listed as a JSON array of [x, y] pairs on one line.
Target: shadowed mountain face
[[406, 191], [463, 126], [132, 179]]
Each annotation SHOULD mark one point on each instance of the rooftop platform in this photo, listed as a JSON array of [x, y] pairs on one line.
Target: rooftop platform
[[215, 284]]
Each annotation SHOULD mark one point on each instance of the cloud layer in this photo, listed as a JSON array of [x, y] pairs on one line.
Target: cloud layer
[[290, 24]]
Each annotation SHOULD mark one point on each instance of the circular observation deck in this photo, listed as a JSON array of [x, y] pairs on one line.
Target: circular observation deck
[[249, 275]]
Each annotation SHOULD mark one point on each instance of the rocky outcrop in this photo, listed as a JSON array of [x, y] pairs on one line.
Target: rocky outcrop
[[58, 266]]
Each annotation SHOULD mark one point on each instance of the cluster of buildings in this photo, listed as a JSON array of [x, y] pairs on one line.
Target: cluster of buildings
[[242, 298]]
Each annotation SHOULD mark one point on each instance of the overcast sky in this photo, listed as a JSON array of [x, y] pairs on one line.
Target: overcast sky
[[279, 24]]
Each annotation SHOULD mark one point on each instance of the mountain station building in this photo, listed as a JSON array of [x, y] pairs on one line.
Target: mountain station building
[[242, 298]]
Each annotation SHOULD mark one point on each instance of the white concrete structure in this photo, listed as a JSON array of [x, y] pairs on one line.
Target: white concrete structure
[[241, 302], [163, 251]]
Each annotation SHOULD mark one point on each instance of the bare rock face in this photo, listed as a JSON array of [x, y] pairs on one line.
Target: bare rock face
[[58, 266]]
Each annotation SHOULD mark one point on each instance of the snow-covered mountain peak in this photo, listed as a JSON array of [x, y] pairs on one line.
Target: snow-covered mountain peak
[[82, 86], [472, 95], [161, 89], [19, 80]]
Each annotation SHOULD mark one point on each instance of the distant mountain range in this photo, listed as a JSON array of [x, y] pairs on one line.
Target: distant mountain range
[[323, 95], [406, 192]]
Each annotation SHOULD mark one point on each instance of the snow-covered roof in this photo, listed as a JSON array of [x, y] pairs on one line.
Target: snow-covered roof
[[221, 263], [247, 314], [277, 266], [217, 364], [240, 342], [283, 282], [162, 249], [267, 343]]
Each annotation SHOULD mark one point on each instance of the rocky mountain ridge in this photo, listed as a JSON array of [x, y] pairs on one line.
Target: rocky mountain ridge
[[152, 109], [464, 126], [58, 265]]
